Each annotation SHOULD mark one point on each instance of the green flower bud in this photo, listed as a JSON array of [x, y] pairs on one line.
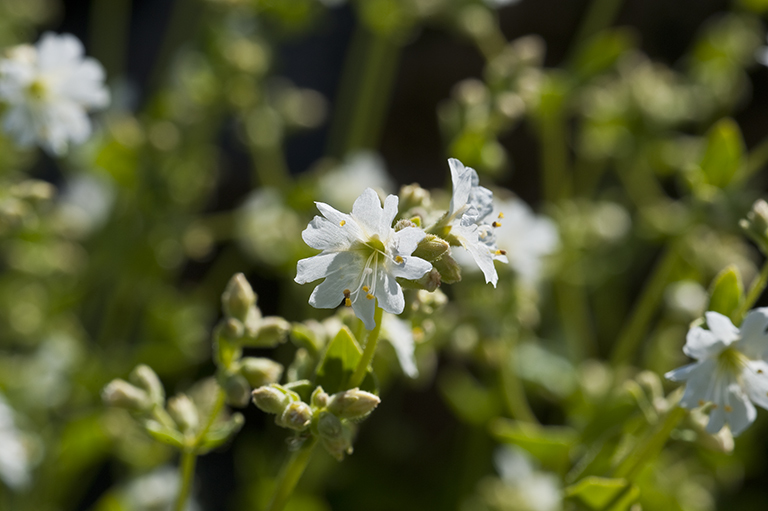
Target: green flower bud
[[352, 404], [272, 330], [237, 390], [238, 297], [756, 224], [121, 394], [145, 378], [319, 398], [34, 190], [260, 371], [184, 412], [414, 196], [232, 328], [335, 436], [271, 398], [431, 248], [450, 271], [297, 416]]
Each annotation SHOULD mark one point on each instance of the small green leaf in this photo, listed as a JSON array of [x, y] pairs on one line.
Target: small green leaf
[[551, 446], [304, 337], [303, 388], [339, 362], [221, 432], [163, 434], [604, 494], [723, 154], [726, 291]]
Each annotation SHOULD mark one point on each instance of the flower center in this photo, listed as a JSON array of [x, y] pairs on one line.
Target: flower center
[[37, 90], [731, 360], [375, 244]]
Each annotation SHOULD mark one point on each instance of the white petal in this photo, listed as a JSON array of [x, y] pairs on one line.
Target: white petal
[[754, 340], [462, 184], [699, 385], [722, 327], [681, 373], [700, 344], [481, 198], [412, 268], [323, 234], [739, 411], [406, 240], [316, 267], [755, 377], [716, 420], [58, 51], [388, 216], [483, 257], [368, 213], [342, 272], [400, 335], [388, 293], [365, 309]]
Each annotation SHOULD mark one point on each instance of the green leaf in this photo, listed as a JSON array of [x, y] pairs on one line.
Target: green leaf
[[304, 337], [724, 153], [551, 446], [303, 388], [470, 401], [163, 434], [221, 432], [601, 51], [726, 291], [604, 494], [339, 362]]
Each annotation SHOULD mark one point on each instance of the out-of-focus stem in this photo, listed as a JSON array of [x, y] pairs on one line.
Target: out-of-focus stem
[[186, 474], [370, 350], [109, 34], [600, 15], [290, 475], [364, 92], [644, 309], [575, 313], [554, 156], [512, 387], [755, 290]]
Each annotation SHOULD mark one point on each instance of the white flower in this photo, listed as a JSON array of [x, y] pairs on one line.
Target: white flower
[[48, 89], [155, 491], [531, 490], [361, 257], [14, 459], [730, 369], [470, 205]]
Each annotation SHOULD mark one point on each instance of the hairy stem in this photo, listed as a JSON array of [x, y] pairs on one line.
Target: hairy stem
[[370, 350], [290, 475]]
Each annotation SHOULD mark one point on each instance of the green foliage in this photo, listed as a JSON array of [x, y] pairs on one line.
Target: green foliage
[[339, 362], [726, 292], [604, 494]]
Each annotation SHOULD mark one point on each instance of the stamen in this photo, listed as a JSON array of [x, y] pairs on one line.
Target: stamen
[[714, 406], [702, 402], [347, 302], [496, 224], [366, 289], [501, 252], [399, 260], [728, 408], [342, 223], [501, 215], [369, 296], [759, 371]]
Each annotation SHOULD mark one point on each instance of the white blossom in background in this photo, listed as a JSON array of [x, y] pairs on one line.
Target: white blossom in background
[[155, 491], [340, 186], [361, 257], [400, 335], [48, 89], [471, 206], [267, 229], [86, 203], [14, 458], [529, 489], [730, 372]]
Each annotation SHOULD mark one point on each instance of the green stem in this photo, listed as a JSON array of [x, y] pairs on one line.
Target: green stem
[[755, 290], [290, 475], [554, 156], [512, 387], [635, 329], [370, 350], [366, 87], [600, 16], [186, 474], [757, 159], [574, 311]]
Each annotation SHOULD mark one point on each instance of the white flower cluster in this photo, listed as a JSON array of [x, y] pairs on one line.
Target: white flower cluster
[[730, 374], [363, 255], [48, 89]]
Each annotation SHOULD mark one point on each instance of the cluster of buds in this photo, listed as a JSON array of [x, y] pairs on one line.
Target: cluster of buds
[[244, 326], [756, 225], [20, 203], [177, 422], [330, 419]]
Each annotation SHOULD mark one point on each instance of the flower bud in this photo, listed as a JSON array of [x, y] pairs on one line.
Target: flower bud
[[431, 248], [121, 394], [260, 371], [184, 412], [319, 398], [271, 398], [352, 404], [413, 196], [450, 271], [236, 388], [335, 436], [756, 224], [297, 416], [238, 297], [145, 378], [271, 331], [232, 328]]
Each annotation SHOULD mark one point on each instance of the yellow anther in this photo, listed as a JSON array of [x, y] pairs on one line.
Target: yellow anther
[[714, 406], [702, 402], [728, 408], [496, 224], [399, 259], [342, 223], [501, 252], [501, 215], [369, 296], [759, 371], [366, 289], [347, 302]]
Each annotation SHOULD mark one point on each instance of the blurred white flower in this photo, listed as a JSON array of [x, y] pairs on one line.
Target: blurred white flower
[[155, 491], [14, 459], [48, 89], [86, 203], [340, 187], [470, 205], [400, 335], [267, 229], [533, 490], [361, 257], [730, 370]]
